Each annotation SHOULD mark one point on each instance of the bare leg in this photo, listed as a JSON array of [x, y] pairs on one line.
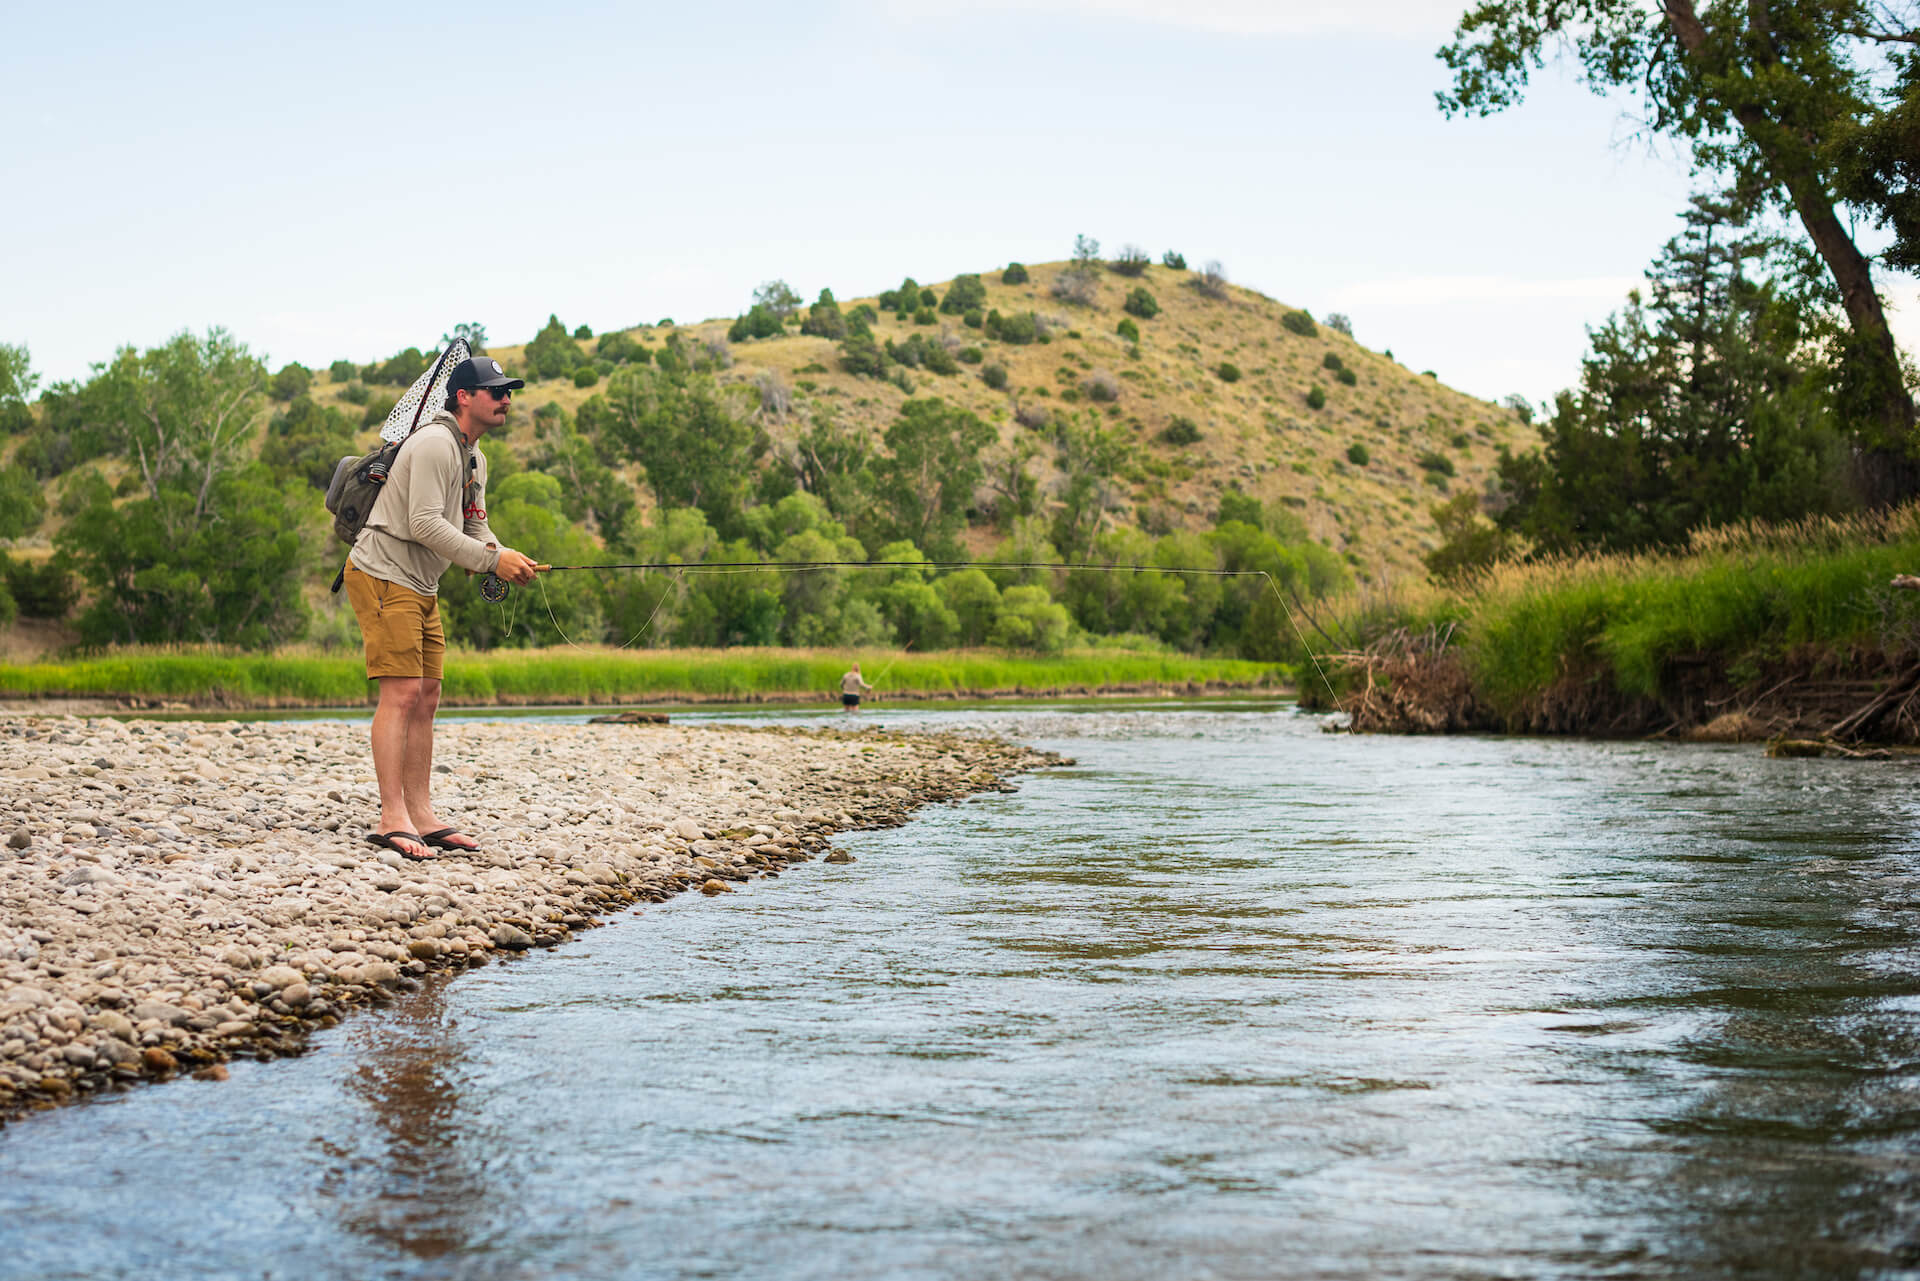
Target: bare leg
[[392, 723], [416, 766]]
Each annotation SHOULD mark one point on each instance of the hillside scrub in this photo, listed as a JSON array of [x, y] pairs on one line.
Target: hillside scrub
[[664, 441]]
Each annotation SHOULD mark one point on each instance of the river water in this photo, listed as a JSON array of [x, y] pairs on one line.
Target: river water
[[1229, 998]]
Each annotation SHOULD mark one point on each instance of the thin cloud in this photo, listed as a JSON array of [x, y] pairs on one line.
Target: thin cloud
[[1433, 291], [1411, 19]]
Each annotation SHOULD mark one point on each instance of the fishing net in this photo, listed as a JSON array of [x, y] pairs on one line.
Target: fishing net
[[428, 392]]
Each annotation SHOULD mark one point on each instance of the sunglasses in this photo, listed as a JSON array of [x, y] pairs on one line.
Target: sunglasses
[[499, 393]]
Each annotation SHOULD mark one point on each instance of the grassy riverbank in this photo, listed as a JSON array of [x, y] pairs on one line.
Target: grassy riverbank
[[596, 676], [1634, 643]]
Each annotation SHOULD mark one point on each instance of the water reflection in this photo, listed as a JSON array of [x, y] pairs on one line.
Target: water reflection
[[406, 1169]]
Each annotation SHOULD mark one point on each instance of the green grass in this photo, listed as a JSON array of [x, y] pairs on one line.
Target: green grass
[[607, 676], [1738, 599]]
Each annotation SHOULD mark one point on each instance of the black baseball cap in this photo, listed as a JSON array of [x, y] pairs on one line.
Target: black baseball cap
[[478, 372]]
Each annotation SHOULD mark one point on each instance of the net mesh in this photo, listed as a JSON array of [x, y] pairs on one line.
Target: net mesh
[[428, 392]]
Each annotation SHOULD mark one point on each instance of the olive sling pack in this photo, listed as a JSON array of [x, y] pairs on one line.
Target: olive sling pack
[[357, 484]]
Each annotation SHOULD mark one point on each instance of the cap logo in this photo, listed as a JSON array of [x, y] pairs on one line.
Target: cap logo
[[496, 367]]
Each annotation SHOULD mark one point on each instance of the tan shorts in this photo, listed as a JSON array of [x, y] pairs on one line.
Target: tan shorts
[[400, 626]]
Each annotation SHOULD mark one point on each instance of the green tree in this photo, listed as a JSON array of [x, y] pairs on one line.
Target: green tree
[[17, 381], [292, 380], [1469, 543], [553, 353], [690, 435], [974, 601], [777, 298], [1770, 95], [218, 565], [1092, 456], [22, 505], [307, 440], [1028, 618], [824, 319], [926, 482], [1692, 410], [473, 332], [184, 413]]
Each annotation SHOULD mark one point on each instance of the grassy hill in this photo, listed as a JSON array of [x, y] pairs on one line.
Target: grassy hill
[[1259, 434]]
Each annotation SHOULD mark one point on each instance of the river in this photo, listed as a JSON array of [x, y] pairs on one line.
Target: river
[[1229, 998]]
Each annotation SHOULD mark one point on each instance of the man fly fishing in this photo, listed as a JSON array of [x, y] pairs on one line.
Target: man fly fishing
[[431, 513]]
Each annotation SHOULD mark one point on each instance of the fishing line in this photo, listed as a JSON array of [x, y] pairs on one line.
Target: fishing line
[[804, 566]]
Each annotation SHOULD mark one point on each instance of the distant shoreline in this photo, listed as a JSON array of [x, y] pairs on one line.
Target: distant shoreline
[[141, 681]]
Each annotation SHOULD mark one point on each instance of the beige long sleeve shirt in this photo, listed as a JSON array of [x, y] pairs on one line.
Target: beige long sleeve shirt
[[431, 513]]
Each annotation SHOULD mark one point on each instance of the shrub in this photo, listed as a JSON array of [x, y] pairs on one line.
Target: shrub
[[341, 371], [377, 411], [1338, 320], [1331, 361], [973, 319], [1211, 282], [1227, 372], [356, 393], [1015, 274], [1174, 260], [759, 322], [927, 298], [925, 316], [860, 354], [616, 348], [1141, 303], [1127, 329], [824, 319], [1347, 378], [970, 355], [1076, 286], [714, 354], [1180, 431], [1019, 329], [292, 380], [1434, 461], [920, 352], [1299, 322], [994, 376], [965, 294], [1317, 398], [586, 376], [1460, 441], [1358, 454], [1101, 386], [905, 298], [1131, 261], [1033, 417], [901, 379], [42, 590], [862, 315]]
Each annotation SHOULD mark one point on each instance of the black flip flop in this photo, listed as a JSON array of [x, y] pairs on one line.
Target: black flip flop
[[438, 840], [391, 840]]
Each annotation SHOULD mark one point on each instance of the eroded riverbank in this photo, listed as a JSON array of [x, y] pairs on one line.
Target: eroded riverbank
[[176, 894]]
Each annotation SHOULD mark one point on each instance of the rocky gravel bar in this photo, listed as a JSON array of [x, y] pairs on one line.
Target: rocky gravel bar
[[176, 894]]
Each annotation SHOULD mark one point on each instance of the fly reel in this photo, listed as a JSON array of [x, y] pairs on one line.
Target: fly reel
[[493, 589]]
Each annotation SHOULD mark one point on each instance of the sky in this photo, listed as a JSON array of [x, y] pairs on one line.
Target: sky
[[350, 179]]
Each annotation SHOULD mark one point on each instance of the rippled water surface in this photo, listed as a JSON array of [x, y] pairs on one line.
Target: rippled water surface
[[1229, 998]]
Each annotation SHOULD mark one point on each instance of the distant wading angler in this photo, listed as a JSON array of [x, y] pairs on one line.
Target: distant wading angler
[[852, 685], [431, 513]]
